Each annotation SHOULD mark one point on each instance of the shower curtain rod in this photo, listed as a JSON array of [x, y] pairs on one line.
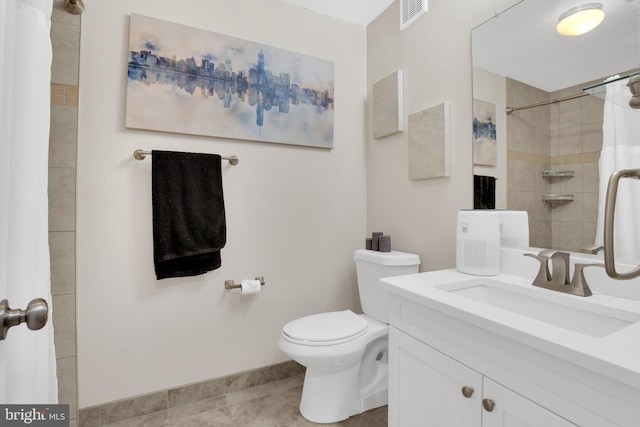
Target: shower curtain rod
[[141, 154], [510, 110]]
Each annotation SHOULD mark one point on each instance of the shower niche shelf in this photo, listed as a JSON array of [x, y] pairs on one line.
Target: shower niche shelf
[[557, 198], [558, 174]]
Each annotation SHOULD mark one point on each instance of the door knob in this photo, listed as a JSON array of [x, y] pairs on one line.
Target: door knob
[[35, 316]]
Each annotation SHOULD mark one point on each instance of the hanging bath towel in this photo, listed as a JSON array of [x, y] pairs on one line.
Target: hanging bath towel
[[484, 192], [189, 227]]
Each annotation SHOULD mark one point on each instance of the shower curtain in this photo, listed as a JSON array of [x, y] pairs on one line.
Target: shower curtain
[[27, 358], [621, 150]]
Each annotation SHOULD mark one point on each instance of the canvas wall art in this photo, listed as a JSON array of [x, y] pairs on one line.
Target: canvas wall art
[[485, 147], [430, 143], [388, 112], [187, 80]]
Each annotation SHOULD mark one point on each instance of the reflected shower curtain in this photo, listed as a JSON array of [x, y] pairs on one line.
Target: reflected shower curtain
[[621, 150], [27, 358]]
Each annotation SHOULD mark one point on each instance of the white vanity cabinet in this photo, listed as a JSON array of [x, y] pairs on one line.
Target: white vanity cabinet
[[425, 386], [440, 343], [428, 388]]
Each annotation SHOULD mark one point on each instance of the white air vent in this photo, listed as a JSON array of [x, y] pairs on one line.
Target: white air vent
[[410, 10]]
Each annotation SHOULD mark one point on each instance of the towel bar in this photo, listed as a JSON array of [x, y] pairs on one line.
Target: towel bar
[[230, 284], [141, 154]]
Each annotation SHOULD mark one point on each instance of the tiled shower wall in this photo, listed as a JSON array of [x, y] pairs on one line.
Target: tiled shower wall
[[566, 136], [65, 38], [576, 142], [528, 154]]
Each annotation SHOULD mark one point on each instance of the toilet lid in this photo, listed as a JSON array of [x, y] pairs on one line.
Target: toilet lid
[[324, 327]]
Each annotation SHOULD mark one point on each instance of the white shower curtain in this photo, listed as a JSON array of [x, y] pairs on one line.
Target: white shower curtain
[[621, 150], [27, 358]]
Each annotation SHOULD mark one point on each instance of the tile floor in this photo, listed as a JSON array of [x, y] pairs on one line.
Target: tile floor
[[272, 404]]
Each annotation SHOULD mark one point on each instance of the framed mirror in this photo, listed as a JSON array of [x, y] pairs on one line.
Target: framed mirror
[[548, 129]]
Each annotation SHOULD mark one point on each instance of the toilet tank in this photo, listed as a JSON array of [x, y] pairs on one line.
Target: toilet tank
[[372, 266]]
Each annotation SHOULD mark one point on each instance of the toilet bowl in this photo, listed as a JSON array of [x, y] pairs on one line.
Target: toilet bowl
[[346, 368], [346, 354]]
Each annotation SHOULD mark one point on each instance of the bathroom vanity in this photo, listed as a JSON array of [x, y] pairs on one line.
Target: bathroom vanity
[[494, 351]]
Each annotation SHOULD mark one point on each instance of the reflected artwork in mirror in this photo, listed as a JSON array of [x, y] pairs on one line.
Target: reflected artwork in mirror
[[549, 129]]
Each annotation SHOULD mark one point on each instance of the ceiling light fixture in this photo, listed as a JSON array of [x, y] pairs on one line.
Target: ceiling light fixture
[[580, 19]]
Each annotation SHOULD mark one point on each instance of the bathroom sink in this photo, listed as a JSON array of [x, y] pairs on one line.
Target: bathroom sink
[[564, 311]]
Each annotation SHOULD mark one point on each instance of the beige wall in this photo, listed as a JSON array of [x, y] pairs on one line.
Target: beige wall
[[435, 56], [294, 214]]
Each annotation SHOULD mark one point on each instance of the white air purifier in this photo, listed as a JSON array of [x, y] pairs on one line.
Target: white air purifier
[[478, 242], [514, 228]]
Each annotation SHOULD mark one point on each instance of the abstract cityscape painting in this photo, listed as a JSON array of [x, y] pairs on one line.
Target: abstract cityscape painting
[[186, 80], [485, 148]]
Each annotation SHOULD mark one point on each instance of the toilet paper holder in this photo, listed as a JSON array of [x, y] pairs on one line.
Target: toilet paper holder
[[230, 284]]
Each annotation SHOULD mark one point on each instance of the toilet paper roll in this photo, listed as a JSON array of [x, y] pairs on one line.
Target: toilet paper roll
[[248, 287]]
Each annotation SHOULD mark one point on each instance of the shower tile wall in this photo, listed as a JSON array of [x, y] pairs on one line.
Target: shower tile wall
[[65, 38], [576, 142], [562, 136], [528, 155]]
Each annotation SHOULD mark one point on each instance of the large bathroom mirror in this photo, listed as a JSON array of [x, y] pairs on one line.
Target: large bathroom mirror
[[546, 158]]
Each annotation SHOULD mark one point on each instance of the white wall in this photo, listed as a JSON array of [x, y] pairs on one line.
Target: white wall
[[435, 55], [294, 215]]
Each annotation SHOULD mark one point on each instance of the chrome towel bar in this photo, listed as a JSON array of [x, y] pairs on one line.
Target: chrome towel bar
[[230, 284], [141, 154]]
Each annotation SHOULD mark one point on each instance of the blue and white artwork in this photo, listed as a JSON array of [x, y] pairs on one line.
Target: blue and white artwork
[[485, 149], [186, 80]]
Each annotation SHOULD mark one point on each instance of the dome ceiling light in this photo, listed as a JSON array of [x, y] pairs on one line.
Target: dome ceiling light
[[580, 19]]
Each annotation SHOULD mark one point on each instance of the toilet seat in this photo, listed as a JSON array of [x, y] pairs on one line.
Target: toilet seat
[[331, 328]]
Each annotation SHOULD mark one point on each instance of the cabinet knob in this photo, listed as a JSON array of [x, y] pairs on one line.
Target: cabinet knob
[[488, 404], [467, 391]]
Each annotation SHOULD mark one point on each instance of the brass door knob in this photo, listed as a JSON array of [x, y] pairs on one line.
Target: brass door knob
[[488, 404], [467, 391]]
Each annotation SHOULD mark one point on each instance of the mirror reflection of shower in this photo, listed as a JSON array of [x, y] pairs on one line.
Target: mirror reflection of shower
[[550, 153]]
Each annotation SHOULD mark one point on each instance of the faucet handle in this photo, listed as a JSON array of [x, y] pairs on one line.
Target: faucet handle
[[579, 282], [543, 274], [560, 272]]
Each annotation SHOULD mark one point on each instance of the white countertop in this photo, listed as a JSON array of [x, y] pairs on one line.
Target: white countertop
[[616, 355]]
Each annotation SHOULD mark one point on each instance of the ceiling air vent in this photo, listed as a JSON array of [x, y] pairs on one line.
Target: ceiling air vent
[[410, 10]]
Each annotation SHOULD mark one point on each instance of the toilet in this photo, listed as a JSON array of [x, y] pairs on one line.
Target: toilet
[[346, 354]]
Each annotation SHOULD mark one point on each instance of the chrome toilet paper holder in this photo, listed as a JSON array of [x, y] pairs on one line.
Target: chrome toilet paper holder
[[230, 284]]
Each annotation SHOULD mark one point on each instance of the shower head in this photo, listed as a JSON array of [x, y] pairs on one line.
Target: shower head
[[74, 7], [634, 87]]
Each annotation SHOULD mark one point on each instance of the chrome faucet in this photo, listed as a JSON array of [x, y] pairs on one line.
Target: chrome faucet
[[558, 279]]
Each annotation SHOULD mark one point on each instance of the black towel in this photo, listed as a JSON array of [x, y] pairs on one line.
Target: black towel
[[484, 192], [189, 227]]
